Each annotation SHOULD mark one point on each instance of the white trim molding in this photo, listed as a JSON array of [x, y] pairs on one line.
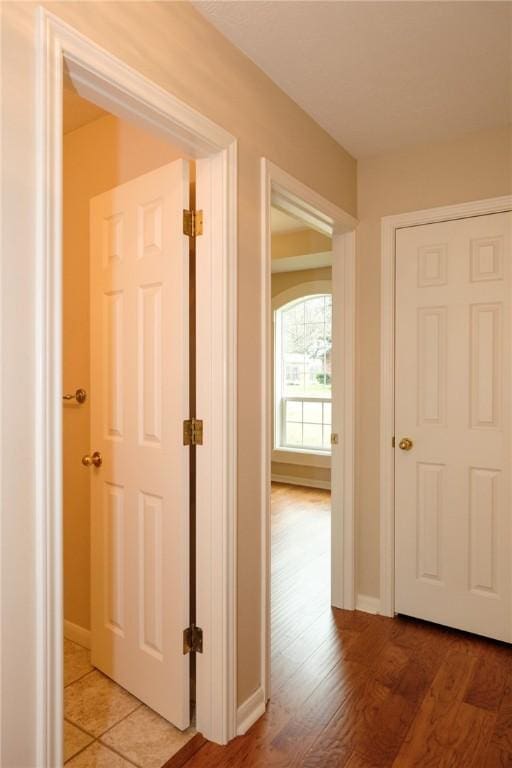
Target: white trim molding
[[77, 634], [216, 478], [110, 83], [389, 226], [301, 458], [305, 482], [343, 424], [250, 711], [368, 604], [292, 196]]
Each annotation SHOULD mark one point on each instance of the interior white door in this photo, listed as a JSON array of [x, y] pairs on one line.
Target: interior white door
[[453, 392], [139, 399]]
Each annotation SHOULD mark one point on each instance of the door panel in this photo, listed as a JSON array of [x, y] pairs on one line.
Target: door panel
[[453, 356], [139, 399]]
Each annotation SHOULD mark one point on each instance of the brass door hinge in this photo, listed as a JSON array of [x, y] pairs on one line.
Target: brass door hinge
[[192, 223], [192, 639], [193, 432]]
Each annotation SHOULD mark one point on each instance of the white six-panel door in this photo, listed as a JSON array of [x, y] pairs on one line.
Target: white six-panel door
[[139, 399], [453, 400]]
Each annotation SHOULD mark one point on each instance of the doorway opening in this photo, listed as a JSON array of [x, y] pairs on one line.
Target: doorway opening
[[112, 85], [307, 422], [301, 288], [119, 183]]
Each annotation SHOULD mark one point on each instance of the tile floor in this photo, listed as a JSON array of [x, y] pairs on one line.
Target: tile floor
[[107, 727]]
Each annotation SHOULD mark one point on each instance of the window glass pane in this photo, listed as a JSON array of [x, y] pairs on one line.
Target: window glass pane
[[315, 309], [293, 411], [295, 313], [328, 309], [318, 353], [293, 435], [313, 413], [314, 335], [313, 437], [327, 437], [293, 339], [294, 381], [293, 371], [327, 413], [315, 382]]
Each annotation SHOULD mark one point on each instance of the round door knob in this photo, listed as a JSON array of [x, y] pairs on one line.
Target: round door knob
[[94, 459], [405, 444]]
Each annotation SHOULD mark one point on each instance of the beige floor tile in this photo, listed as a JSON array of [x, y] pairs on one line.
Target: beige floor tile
[[146, 738], [95, 703], [98, 756], [74, 740], [77, 661]]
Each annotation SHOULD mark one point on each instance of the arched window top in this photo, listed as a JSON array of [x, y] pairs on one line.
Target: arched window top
[[313, 305], [301, 291], [303, 352]]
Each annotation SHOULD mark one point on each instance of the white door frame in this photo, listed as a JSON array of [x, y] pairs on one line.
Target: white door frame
[[389, 226], [112, 84], [299, 200]]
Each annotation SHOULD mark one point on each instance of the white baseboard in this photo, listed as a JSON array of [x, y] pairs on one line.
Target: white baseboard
[[368, 604], [250, 711], [306, 482], [77, 634]]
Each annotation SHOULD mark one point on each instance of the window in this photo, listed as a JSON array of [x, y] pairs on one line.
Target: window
[[302, 370]]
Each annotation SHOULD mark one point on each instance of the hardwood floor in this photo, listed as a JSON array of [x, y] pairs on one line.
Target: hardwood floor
[[353, 690]]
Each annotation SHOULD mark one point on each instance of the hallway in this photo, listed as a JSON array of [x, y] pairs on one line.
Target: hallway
[[352, 690], [300, 575]]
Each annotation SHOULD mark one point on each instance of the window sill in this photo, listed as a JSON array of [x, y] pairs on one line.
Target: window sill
[[302, 458]]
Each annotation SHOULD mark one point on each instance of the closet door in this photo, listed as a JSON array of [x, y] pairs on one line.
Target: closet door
[[453, 423], [139, 400]]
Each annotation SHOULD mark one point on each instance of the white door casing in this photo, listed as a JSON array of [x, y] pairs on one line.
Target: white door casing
[[139, 399], [452, 385]]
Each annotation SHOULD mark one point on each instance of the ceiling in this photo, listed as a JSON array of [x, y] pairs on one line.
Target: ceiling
[[381, 75]]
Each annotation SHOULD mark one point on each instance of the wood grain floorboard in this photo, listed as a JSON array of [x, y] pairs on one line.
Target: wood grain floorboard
[[185, 753], [431, 733], [471, 737], [502, 736], [497, 758], [351, 690], [487, 685]]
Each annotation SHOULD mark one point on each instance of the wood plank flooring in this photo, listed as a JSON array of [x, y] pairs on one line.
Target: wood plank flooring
[[351, 690]]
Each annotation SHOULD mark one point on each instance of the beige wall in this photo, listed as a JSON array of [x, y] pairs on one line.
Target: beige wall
[[299, 472], [170, 43], [282, 281], [474, 167], [97, 157]]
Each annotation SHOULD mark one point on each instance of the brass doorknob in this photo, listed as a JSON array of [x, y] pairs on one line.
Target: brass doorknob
[[405, 444], [94, 459]]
